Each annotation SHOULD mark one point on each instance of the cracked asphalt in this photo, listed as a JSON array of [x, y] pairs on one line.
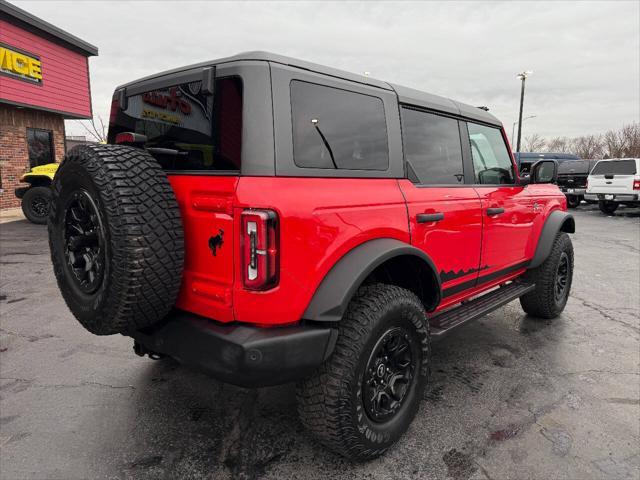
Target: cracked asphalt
[[511, 397]]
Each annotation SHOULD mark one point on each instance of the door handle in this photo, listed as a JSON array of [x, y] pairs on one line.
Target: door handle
[[495, 211], [429, 217]]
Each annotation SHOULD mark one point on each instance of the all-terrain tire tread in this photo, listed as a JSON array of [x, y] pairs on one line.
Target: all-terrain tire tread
[[145, 235], [540, 302], [323, 398]]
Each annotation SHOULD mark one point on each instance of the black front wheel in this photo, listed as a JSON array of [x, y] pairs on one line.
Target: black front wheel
[[361, 401], [35, 204], [553, 281]]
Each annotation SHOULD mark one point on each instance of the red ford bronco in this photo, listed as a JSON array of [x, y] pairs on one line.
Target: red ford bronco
[[268, 220]]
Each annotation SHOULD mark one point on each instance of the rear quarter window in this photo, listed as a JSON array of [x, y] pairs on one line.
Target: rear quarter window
[[615, 167], [337, 129]]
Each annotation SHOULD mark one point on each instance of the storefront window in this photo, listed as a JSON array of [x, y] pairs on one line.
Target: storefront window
[[40, 145]]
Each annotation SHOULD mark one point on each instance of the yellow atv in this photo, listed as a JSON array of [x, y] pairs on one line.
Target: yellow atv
[[35, 197]]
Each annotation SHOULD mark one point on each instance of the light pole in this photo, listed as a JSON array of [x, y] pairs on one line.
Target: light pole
[[522, 76], [513, 127]]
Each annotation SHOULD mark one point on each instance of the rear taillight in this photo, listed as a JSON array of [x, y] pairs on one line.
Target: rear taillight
[[636, 184], [586, 184], [130, 138], [259, 246]]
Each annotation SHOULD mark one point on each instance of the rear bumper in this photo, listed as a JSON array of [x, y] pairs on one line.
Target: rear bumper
[[614, 197], [573, 191], [242, 355]]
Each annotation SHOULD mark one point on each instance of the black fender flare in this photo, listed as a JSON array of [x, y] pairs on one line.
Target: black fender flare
[[38, 181], [557, 221], [331, 298]]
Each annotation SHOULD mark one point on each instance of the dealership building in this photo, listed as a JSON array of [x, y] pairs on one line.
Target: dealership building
[[44, 79]]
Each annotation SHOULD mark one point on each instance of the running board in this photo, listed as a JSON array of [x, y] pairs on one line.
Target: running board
[[446, 321]]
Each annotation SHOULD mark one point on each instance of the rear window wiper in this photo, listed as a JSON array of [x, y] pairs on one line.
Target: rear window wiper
[[166, 151], [314, 121]]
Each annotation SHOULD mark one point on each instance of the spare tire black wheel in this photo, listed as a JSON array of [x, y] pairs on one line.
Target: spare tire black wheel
[[116, 238], [35, 204]]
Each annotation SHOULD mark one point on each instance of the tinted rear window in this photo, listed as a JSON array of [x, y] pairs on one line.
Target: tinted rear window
[[615, 167], [337, 129], [205, 130]]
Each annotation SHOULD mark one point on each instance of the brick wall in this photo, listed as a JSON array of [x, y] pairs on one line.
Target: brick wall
[[14, 156]]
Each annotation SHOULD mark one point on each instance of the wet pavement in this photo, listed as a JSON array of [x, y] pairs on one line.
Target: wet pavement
[[511, 397]]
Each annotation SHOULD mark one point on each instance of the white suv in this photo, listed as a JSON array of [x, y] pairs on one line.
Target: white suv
[[614, 181]]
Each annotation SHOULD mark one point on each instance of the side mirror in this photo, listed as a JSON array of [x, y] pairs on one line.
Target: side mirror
[[524, 180], [544, 171]]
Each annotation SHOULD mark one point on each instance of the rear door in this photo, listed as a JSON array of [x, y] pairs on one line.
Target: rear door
[[445, 219], [613, 177], [508, 211], [196, 138]]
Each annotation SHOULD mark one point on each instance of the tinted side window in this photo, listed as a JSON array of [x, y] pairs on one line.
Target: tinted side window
[[491, 160], [40, 147], [334, 128], [432, 147]]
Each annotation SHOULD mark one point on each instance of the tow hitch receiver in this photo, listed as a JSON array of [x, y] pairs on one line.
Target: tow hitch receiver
[[141, 351]]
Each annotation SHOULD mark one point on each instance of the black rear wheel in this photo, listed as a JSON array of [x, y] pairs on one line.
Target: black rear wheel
[[116, 238], [608, 207], [573, 201], [35, 204], [361, 401]]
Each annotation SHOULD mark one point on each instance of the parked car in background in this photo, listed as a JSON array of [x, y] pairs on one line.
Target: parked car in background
[[36, 197], [572, 179], [613, 182], [572, 172], [526, 159]]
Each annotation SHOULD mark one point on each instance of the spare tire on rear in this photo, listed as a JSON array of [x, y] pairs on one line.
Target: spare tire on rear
[[116, 238]]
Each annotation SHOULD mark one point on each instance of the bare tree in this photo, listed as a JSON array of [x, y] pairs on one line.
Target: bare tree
[[96, 131], [614, 144], [588, 146], [631, 135], [624, 142], [560, 145], [534, 143]]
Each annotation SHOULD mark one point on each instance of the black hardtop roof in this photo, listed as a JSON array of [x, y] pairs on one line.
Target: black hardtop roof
[[405, 95], [25, 18]]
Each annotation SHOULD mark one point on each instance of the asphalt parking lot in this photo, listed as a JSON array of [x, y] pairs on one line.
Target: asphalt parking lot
[[511, 397]]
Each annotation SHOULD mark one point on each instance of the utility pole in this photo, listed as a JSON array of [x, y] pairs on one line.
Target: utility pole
[[522, 76]]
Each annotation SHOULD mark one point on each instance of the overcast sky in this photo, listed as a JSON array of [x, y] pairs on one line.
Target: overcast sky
[[585, 55]]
